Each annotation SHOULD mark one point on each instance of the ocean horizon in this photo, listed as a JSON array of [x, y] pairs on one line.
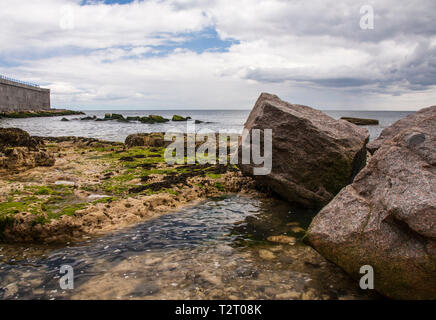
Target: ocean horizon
[[214, 120]]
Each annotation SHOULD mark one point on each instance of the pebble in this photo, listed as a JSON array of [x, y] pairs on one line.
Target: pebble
[[266, 254]]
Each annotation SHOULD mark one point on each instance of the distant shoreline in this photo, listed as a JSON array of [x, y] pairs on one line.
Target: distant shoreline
[[39, 113]]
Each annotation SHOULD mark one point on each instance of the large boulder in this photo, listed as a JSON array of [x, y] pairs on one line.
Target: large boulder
[[15, 137], [313, 155], [405, 123], [154, 139], [21, 158], [387, 217], [20, 151]]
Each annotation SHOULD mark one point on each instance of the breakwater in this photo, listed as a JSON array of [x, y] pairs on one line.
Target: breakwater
[[21, 96]]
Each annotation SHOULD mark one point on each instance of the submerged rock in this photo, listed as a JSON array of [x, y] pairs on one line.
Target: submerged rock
[[39, 113], [402, 124], [180, 118], [116, 116], [387, 217], [361, 121], [282, 239], [153, 119], [88, 118], [137, 118], [158, 119], [313, 155]]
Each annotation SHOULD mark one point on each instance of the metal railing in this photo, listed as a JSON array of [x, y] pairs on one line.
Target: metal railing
[[19, 81]]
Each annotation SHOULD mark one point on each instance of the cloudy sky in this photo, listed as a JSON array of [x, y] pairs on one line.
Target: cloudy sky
[[189, 54]]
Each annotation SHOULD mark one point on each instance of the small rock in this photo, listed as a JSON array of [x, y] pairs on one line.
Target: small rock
[[282, 239], [266, 254]]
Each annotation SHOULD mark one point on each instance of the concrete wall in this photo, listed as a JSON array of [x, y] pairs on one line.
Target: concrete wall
[[15, 96]]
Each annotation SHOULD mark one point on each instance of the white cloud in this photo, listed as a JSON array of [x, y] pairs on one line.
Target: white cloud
[[308, 52]]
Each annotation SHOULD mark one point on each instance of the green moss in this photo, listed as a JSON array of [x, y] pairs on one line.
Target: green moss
[[105, 200], [179, 118], [133, 118], [124, 177], [51, 211], [219, 186], [43, 113], [213, 175], [149, 192], [41, 190], [115, 189], [116, 116], [50, 190], [171, 191], [11, 207], [158, 119], [71, 210]]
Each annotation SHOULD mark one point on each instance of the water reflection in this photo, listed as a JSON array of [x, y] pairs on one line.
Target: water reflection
[[215, 250]]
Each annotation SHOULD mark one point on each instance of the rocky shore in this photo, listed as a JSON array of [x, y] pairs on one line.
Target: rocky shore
[[91, 187], [380, 213], [150, 119], [39, 113], [376, 201], [387, 217]]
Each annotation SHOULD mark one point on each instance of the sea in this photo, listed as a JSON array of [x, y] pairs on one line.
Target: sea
[[214, 120]]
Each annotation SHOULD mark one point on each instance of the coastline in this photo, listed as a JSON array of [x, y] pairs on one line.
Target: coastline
[[92, 189], [39, 113]]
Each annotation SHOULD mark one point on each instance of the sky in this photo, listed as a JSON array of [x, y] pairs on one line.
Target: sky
[[204, 54]]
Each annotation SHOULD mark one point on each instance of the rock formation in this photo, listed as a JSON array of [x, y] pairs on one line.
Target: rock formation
[[393, 130], [387, 217], [313, 155], [20, 151], [361, 121], [155, 139]]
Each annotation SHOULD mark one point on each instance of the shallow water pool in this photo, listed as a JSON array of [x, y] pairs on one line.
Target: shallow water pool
[[215, 250]]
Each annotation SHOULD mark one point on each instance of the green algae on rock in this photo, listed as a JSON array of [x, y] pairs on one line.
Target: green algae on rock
[[180, 118], [41, 113], [92, 189], [361, 121]]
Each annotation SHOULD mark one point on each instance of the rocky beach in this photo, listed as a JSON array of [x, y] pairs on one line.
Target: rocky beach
[[363, 204], [61, 189]]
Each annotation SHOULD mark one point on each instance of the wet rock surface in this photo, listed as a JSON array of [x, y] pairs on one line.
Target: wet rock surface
[[387, 217], [313, 155], [361, 121]]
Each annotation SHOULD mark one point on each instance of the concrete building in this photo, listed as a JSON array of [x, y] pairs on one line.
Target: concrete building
[[22, 96]]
